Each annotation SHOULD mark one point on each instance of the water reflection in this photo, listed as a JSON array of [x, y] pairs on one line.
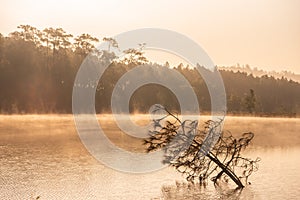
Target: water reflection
[[43, 156], [195, 191]]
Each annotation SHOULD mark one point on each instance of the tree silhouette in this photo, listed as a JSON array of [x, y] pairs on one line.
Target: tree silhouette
[[250, 101], [84, 44], [111, 42], [38, 68], [190, 151]]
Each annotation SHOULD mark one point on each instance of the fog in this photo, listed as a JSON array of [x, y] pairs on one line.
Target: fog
[[42, 155]]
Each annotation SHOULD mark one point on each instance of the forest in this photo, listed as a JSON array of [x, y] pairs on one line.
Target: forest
[[38, 69]]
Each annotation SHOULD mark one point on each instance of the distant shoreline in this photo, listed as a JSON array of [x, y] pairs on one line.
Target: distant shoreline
[[201, 114]]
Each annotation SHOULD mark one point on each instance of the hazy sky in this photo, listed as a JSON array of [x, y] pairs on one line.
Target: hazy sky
[[262, 33]]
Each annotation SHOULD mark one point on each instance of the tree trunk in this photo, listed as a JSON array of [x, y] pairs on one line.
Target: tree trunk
[[226, 170]]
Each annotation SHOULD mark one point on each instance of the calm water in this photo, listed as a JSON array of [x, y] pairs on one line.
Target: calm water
[[41, 155]]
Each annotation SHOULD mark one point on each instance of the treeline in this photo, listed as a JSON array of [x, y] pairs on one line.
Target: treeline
[[38, 69], [259, 72]]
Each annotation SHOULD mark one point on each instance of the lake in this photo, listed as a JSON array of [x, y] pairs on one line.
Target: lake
[[42, 156]]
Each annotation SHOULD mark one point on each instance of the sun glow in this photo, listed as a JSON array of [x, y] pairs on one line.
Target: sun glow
[[263, 34]]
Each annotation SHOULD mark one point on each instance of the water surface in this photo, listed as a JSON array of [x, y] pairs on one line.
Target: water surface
[[42, 155]]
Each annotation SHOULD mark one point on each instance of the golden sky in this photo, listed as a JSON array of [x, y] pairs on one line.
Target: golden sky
[[262, 33]]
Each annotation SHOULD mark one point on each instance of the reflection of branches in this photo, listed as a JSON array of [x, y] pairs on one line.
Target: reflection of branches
[[189, 190], [191, 151]]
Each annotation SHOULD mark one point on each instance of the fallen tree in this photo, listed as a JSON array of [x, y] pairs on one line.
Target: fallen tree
[[204, 154]]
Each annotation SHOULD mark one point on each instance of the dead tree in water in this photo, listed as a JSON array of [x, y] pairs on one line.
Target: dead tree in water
[[191, 151]]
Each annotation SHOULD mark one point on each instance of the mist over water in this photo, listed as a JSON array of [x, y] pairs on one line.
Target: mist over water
[[42, 155]]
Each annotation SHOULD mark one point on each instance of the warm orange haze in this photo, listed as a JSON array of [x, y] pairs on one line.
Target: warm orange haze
[[263, 34], [149, 100]]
